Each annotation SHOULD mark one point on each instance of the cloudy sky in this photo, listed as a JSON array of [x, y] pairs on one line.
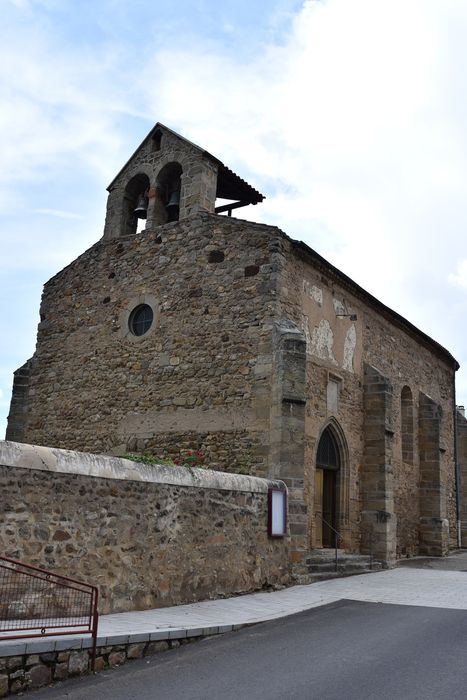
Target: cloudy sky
[[350, 115]]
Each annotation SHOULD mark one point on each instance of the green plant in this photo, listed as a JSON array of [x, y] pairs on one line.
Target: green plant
[[187, 459], [148, 459], [192, 459], [245, 464]]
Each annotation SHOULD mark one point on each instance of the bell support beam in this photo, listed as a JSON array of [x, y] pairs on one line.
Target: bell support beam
[[229, 207]]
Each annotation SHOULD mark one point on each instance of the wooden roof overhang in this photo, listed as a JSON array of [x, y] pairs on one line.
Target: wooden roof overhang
[[231, 186]]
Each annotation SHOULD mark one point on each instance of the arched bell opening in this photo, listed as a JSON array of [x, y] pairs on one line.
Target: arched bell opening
[[169, 189], [135, 203]]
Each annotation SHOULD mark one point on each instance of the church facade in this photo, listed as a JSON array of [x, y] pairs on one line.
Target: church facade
[[209, 333]]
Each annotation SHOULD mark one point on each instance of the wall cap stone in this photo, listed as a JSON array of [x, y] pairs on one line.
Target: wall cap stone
[[51, 459]]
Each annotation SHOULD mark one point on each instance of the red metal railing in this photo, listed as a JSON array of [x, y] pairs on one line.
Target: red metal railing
[[39, 603]]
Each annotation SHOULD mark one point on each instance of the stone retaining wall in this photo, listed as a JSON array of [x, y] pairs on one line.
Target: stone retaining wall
[[29, 671], [147, 535]]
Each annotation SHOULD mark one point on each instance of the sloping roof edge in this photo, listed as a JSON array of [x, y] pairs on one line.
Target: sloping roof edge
[[304, 251]]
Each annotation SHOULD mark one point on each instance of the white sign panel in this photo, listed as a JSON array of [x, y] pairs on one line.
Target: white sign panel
[[278, 519]]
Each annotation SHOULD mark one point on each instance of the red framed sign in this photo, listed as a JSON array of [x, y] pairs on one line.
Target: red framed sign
[[277, 512]]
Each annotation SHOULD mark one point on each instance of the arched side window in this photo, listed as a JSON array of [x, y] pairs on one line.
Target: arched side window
[[135, 189], [169, 186], [407, 425], [157, 140]]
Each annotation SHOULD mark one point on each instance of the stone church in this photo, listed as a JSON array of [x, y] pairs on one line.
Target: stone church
[[202, 331]]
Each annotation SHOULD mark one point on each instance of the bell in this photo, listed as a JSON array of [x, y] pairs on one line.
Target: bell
[[174, 200], [141, 210], [173, 206]]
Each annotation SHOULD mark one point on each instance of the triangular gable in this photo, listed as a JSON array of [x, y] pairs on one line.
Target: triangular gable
[[229, 184]]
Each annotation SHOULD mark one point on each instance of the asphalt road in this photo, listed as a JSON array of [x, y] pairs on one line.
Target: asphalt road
[[344, 651]]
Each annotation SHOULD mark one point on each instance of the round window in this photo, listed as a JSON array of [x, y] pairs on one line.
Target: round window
[[141, 319]]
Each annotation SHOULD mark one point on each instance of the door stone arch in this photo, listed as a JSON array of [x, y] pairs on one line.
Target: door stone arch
[[331, 487]]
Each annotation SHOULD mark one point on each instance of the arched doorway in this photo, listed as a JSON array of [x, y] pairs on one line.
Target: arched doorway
[[327, 468]]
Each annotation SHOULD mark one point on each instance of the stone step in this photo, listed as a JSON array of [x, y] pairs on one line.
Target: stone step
[[316, 557], [324, 561], [306, 579], [326, 553], [331, 553], [320, 565], [341, 566], [351, 564]]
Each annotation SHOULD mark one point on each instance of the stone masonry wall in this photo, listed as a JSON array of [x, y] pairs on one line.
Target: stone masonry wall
[[462, 459], [377, 475], [322, 305], [287, 428], [198, 180], [411, 365], [30, 671], [19, 403], [147, 536], [199, 379], [434, 526], [212, 372]]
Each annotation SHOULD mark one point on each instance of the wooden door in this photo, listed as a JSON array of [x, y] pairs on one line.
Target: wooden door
[[329, 507], [318, 510]]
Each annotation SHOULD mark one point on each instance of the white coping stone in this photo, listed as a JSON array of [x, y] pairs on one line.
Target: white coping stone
[[51, 459], [177, 634], [14, 649], [37, 646]]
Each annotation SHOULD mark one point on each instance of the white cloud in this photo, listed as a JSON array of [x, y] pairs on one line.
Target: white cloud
[[21, 4], [59, 213], [459, 278], [351, 121], [355, 124], [59, 105]]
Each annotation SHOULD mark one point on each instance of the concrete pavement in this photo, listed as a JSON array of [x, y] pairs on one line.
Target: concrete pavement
[[404, 585], [344, 651]]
